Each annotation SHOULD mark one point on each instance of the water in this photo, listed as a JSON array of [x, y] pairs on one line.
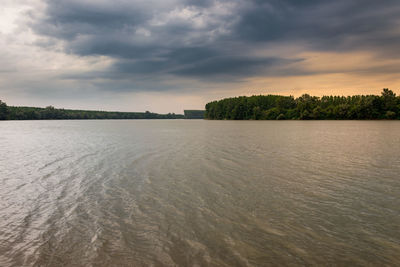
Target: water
[[199, 193]]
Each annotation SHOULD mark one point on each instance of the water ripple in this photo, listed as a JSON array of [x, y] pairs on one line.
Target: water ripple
[[199, 193]]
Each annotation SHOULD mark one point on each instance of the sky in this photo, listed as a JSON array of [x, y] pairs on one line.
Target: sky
[[170, 55]]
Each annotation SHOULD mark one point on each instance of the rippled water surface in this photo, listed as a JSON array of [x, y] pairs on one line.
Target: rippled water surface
[[199, 193]]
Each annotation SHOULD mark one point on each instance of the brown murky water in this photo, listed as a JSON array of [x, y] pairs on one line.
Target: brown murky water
[[199, 193]]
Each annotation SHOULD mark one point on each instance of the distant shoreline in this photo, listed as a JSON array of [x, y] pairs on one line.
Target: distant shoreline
[[306, 107], [260, 107], [51, 113]]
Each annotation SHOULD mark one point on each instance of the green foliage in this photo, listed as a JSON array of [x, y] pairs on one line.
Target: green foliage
[[271, 114], [194, 114], [280, 117], [51, 113], [390, 115], [3, 110], [306, 107]]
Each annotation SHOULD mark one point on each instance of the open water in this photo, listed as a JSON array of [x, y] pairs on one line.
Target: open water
[[199, 193]]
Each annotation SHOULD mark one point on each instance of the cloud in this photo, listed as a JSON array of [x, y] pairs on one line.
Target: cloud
[[192, 45], [196, 38], [325, 25]]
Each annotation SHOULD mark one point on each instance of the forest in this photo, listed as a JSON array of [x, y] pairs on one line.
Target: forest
[[306, 107], [194, 114], [51, 113]]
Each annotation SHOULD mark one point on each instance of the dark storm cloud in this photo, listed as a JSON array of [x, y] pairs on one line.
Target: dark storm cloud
[[213, 38], [211, 67], [68, 19], [324, 24], [236, 66]]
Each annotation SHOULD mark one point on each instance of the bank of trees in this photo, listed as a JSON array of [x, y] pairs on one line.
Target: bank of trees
[[194, 114], [306, 107], [51, 113], [3, 110]]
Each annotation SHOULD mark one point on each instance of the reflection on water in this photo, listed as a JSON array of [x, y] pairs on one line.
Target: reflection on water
[[199, 193]]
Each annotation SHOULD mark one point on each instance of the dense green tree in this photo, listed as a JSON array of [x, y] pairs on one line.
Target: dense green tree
[[3, 110], [257, 113], [51, 113], [390, 115], [194, 114], [271, 114], [281, 117], [389, 100], [306, 107]]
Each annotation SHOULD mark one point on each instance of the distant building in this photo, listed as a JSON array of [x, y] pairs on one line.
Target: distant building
[[194, 114]]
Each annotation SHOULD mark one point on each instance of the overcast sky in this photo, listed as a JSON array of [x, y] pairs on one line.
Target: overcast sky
[[169, 55]]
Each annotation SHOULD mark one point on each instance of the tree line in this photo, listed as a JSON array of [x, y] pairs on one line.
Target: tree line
[[306, 107], [51, 113], [194, 114]]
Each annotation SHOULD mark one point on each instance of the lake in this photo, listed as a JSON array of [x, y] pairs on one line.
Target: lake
[[199, 193]]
